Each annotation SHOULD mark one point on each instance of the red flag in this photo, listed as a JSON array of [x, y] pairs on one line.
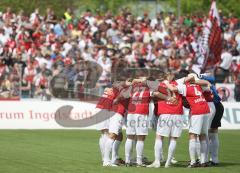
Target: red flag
[[214, 33]]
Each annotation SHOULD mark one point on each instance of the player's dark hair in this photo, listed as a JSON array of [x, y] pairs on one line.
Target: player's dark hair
[[151, 78], [129, 79], [162, 75], [182, 73]]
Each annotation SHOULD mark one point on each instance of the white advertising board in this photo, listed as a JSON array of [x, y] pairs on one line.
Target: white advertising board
[[41, 114]]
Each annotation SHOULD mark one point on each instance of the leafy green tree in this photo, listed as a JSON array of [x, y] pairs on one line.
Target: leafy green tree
[[59, 6]]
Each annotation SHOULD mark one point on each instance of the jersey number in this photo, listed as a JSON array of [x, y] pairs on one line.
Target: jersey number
[[197, 92], [138, 93]]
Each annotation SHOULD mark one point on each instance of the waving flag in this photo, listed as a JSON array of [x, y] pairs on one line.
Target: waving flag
[[210, 46]]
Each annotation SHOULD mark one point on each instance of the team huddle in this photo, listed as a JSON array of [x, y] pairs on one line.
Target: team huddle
[[129, 103]]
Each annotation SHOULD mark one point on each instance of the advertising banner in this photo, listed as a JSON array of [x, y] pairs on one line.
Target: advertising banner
[[53, 115]]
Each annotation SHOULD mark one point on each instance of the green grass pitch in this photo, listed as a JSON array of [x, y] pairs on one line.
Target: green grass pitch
[[76, 151]]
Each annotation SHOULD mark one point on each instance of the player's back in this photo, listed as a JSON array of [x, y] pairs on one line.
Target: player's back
[[208, 95], [194, 96], [121, 106], [166, 107], [105, 101], [139, 99]]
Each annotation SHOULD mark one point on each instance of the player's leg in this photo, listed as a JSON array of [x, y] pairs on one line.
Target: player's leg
[[213, 134], [102, 141], [202, 146], [176, 131], [203, 149], [128, 149], [162, 159], [142, 125], [203, 141], [133, 158], [139, 149], [115, 150], [103, 128], [192, 149], [130, 132], [158, 147], [198, 150], [108, 148], [171, 151], [163, 130], [211, 116], [115, 125], [195, 126], [154, 127], [213, 146]]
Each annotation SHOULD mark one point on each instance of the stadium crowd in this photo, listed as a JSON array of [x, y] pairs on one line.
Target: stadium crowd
[[34, 48]]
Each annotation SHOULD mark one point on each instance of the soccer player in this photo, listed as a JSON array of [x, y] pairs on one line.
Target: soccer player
[[103, 109], [115, 126], [216, 122], [208, 95], [169, 124], [137, 120], [199, 111]]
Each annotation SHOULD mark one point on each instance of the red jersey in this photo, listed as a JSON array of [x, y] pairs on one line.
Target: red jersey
[[166, 107], [139, 99], [105, 102], [208, 95], [121, 107], [197, 102]]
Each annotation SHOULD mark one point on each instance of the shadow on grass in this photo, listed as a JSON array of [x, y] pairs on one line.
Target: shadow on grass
[[184, 164]]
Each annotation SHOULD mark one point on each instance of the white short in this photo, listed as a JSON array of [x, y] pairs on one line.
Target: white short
[[211, 114], [102, 125], [198, 124], [137, 124], [170, 125], [116, 123]]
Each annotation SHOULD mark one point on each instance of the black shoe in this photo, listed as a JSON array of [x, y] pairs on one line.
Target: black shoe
[[128, 164], [197, 163], [146, 161], [192, 165], [211, 163], [204, 165], [120, 162]]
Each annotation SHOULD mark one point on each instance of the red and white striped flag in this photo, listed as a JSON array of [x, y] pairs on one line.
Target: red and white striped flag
[[210, 47], [215, 38]]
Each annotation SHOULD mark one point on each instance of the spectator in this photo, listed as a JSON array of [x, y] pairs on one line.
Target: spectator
[[30, 72], [237, 89], [225, 65], [5, 88], [235, 70], [105, 78], [70, 73], [84, 50], [25, 88], [58, 29]]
